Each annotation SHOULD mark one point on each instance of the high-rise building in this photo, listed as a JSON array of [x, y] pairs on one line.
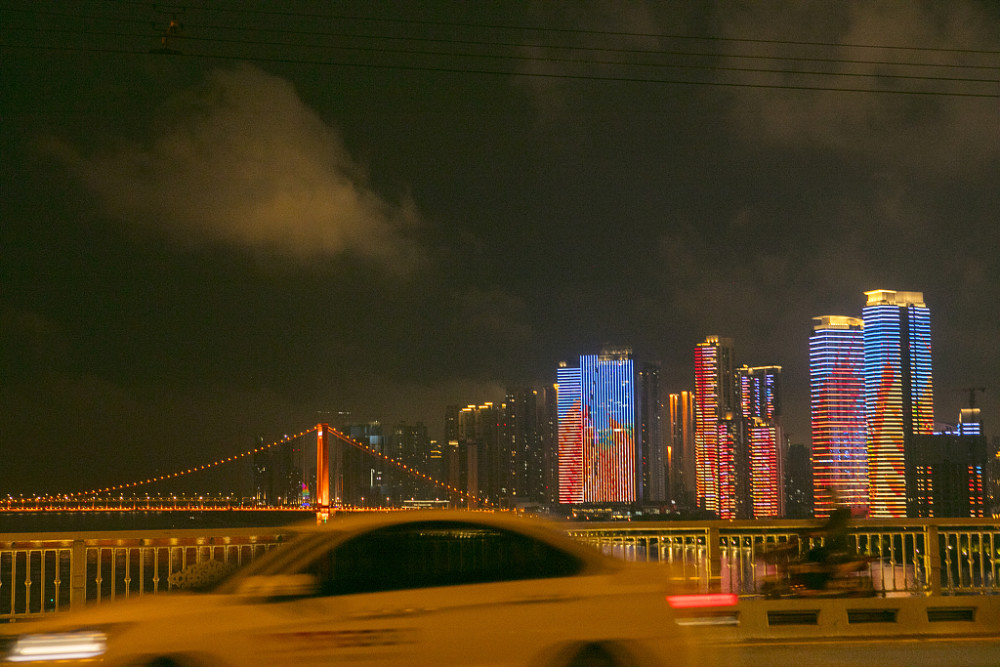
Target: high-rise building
[[946, 473], [680, 453], [454, 474], [549, 430], [479, 451], [760, 456], [837, 402], [409, 445], [521, 446], [365, 478], [598, 443], [898, 391], [277, 476], [798, 482], [716, 425], [653, 471]]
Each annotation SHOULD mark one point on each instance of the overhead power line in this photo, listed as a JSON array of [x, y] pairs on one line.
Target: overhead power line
[[578, 77], [578, 31], [460, 61], [574, 61], [270, 28]]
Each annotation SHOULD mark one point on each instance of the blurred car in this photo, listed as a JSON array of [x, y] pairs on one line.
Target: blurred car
[[431, 587]]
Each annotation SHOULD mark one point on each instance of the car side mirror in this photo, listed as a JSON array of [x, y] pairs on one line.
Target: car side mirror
[[279, 586]]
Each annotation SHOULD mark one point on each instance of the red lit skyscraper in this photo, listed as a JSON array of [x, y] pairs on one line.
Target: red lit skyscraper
[[898, 391], [570, 409], [715, 427], [837, 399], [761, 455]]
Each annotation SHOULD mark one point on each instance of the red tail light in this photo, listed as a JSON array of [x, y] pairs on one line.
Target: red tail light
[[702, 600]]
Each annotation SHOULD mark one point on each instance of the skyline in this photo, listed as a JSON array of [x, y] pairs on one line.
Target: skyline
[[392, 209]]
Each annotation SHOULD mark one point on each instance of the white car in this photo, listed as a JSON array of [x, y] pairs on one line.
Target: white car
[[409, 588]]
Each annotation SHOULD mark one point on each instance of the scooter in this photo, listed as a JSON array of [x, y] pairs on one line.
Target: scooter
[[815, 573]]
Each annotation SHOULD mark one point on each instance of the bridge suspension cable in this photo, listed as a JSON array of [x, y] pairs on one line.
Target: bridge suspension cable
[[182, 473], [409, 470]]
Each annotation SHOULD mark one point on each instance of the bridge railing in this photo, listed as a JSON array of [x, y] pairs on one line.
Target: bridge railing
[[48, 572], [907, 556]]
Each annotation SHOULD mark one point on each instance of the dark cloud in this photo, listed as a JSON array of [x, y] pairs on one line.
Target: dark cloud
[[929, 137], [243, 162]]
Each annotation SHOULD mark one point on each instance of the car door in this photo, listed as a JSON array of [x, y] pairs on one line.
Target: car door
[[431, 592]]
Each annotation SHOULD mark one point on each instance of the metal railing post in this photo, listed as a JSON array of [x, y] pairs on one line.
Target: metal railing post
[[933, 561], [713, 557], [77, 575]]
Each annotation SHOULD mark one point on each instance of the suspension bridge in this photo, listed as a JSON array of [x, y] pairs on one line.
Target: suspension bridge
[[326, 494]]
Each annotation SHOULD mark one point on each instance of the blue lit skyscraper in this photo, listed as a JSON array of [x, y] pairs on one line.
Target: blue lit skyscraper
[[597, 436], [898, 391], [837, 401]]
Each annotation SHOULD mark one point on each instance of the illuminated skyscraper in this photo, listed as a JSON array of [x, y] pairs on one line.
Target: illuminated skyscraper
[[760, 455], [570, 408], [479, 450], [680, 453], [837, 399], [715, 427], [898, 391], [597, 435]]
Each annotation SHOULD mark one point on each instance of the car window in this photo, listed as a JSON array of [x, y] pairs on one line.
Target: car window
[[437, 553]]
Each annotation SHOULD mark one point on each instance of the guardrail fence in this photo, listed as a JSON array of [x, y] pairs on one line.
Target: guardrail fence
[[907, 556], [49, 572]]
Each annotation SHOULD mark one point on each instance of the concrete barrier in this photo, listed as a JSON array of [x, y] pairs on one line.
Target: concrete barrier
[[803, 618]]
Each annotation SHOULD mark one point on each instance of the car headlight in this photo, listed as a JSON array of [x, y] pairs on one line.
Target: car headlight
[[78, 645]]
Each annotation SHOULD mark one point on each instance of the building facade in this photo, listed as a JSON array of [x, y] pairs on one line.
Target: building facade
[[652, 468], [798, 482], [522, 447], [946, 473], [898, 392], [837, 403], [680, 452], [716, 427], [598, 443], [760, 458]]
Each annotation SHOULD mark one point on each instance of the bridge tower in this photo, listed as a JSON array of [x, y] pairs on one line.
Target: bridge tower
[[322, 472]]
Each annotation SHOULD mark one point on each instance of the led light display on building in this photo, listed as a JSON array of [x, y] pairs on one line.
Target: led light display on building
[[837, 401], [760, 460], [898, 391], [597, 443], [570, 435], [764, 478], [681, 450], [715, 437]]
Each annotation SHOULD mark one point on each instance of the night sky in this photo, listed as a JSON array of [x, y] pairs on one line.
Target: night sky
[[386, 208]]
